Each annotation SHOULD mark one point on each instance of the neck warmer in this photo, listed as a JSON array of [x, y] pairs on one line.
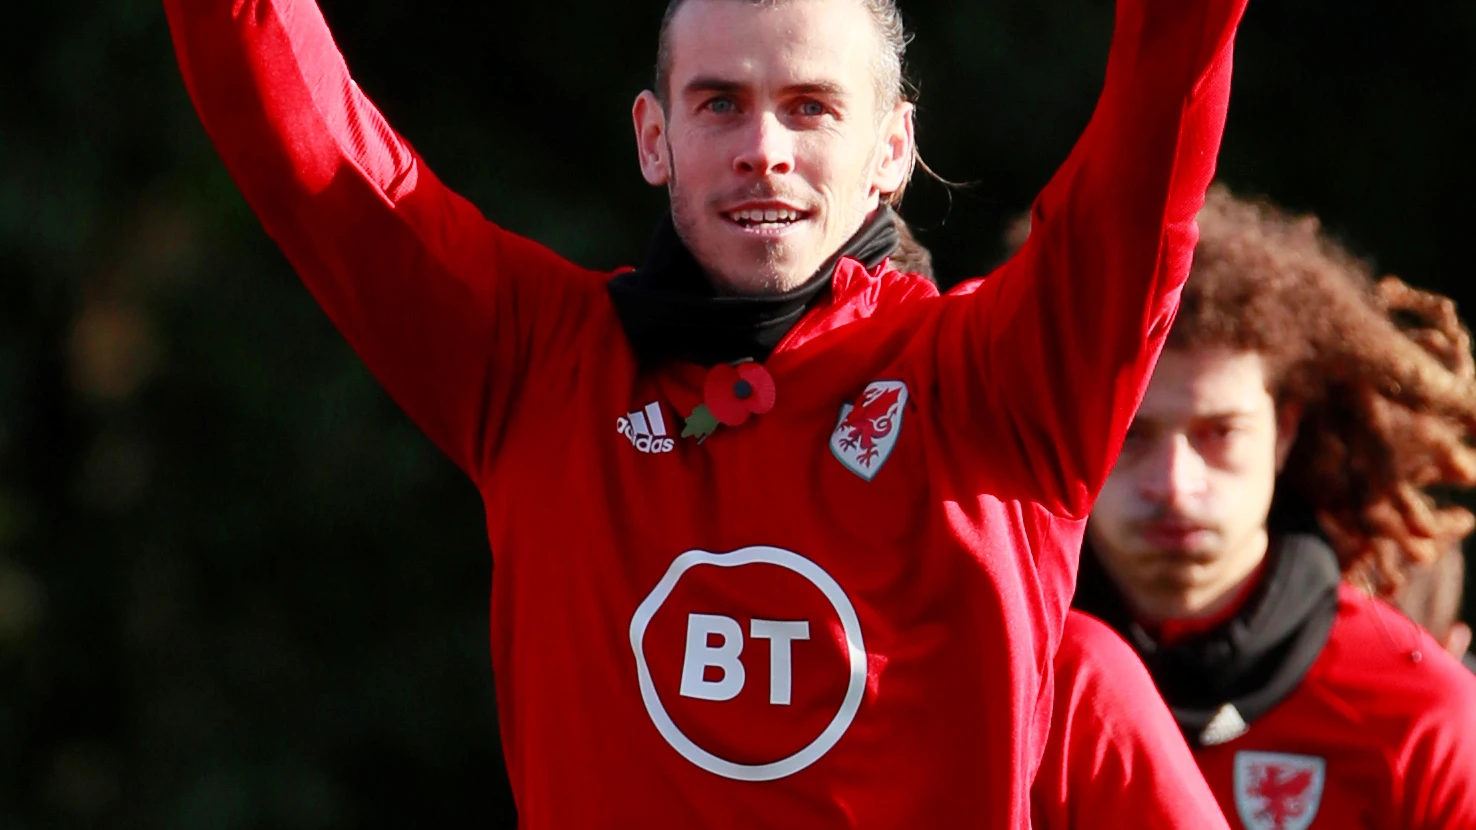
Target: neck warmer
[[1219, 682], [670, 311]]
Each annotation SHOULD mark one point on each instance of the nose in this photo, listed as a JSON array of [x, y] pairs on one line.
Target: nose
[[767, 148], [1174, 473]]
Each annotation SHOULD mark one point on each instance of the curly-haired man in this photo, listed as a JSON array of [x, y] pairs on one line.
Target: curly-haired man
[[1280, 473]]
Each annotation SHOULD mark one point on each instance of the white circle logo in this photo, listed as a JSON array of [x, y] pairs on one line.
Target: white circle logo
[[855, 652]]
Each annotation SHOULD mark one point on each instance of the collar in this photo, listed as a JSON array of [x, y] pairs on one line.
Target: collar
[[670, 311], [1219, 682], [1173, 632]]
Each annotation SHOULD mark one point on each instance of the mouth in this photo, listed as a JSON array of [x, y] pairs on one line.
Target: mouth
[[766, 220], [1175, 535]]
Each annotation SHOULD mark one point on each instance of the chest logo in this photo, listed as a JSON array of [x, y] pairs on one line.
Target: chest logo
[[750, 663], [646, 429], [1276, 791], [867, 431]]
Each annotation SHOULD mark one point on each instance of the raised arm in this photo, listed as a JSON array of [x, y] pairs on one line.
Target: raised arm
[[440, 304], [1043, 363]]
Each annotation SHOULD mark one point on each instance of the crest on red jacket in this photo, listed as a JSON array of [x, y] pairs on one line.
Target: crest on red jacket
[[867, 430], [1276, 791]]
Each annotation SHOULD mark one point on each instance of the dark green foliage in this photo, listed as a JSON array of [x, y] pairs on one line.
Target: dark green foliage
[[237, 588]]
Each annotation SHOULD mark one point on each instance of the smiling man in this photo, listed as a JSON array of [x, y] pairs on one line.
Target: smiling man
[[708, 479], [787, 146]]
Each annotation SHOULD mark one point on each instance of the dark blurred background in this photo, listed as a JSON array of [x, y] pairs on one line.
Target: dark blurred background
[[237, 588]]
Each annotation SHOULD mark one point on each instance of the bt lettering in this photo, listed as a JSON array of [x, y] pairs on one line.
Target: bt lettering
[[703, 653]]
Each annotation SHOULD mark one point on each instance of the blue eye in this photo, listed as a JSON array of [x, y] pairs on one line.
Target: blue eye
[[721, 106], [812, 109]]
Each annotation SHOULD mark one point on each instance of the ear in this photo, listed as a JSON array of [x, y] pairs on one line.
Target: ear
[[650, 129], [895, 155], [1458, 641], [1288, 421]]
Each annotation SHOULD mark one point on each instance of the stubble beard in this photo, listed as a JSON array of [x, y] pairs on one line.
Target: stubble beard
[[765, 276]]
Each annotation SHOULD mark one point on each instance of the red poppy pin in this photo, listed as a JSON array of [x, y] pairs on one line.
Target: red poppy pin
[[730, 396]]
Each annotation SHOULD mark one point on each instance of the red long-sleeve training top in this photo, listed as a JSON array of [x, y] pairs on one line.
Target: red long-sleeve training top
[[1115, 759]]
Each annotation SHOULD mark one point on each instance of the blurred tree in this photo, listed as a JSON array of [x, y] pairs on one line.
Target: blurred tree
[[237, 588]]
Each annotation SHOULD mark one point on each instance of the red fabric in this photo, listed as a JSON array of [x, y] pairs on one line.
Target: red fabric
[[1115, 758], [872, 631], [1396, 734]]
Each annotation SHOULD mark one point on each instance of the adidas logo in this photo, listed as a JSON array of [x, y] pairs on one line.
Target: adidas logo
[[646, 429], [1224, 727]]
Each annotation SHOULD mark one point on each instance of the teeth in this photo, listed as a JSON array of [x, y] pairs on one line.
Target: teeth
[[771, 215]]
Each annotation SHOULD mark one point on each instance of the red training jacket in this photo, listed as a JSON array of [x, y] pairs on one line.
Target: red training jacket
[[792, 624], [1380, 735], [1115, 759]]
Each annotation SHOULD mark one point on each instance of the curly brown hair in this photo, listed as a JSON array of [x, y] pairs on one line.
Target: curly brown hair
[[1382, 372]]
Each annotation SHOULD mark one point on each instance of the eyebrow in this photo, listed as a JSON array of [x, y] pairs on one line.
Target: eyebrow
[[711, 83], [1224, 414], [1145, 419]]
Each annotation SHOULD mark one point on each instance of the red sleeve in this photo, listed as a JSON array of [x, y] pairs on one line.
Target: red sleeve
[[1043, 363], [1437, 769], [440, 304], [1114, 758]]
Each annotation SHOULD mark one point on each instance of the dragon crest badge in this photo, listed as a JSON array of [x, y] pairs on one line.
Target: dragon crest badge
[[867, 430], [1276, 791]]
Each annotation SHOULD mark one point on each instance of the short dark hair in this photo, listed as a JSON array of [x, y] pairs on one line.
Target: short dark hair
[[884, 13]]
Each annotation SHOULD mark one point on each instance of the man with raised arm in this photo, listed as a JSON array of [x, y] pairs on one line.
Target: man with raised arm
[[707, 479]]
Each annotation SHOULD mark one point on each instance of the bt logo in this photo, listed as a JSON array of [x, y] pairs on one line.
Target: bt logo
[[702, 655], [764, 690]]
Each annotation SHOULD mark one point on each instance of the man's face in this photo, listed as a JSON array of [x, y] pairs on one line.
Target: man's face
[[775, 142], [1181, 522]]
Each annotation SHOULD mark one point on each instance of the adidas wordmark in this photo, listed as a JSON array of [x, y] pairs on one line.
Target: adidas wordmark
[[646, 429]]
